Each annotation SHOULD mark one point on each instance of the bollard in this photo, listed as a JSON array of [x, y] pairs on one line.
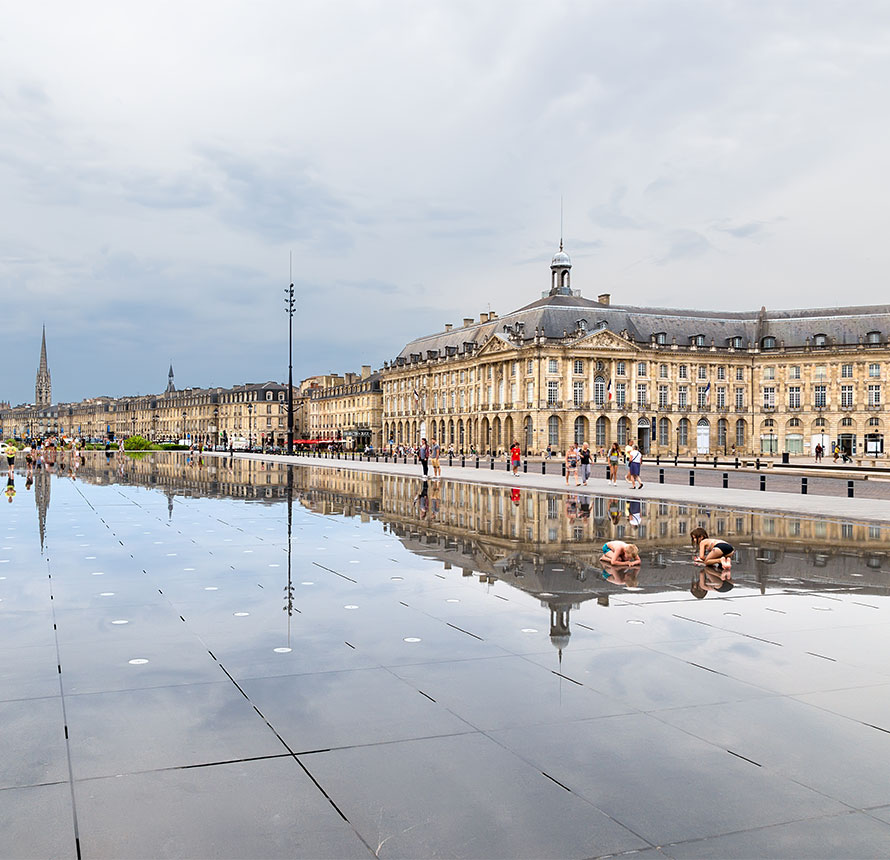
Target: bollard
[[661, 476], [658, 459], [803, 486], [525, 466], [449, 460], [763, 482], [508, 465], [608, 473], [477, 462], [695, 459], [715, 462], [543, 467], [415, 459], [692, 477], [492, 463], [726, 480], [563, 470], [463, 460], [736, 462], [676, 458], [849, 489], [757, 463]]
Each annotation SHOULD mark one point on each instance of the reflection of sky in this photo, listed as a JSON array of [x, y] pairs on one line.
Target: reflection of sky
[[456, 653]]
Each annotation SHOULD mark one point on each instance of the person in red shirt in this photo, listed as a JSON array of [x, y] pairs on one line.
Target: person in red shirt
[[515, 456]]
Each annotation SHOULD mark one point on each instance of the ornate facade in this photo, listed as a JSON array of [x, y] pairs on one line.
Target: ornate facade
[[346, 408], [567, 369]]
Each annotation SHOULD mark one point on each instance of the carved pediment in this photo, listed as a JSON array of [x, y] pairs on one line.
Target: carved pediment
[[605, 340], [496, 343]]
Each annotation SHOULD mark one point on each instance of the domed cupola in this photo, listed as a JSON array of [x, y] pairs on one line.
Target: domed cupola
[[561, 273]]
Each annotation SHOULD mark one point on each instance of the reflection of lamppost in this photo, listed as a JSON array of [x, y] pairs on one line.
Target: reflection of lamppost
[[133, 416], [290, 306], [249, 426], [154, 426], [289, 588]]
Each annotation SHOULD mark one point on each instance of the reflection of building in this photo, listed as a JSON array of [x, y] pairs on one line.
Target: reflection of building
[[545, 544], [568, 369]]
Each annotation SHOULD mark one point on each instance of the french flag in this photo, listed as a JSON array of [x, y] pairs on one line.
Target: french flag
[[609, 389], [708, 394]]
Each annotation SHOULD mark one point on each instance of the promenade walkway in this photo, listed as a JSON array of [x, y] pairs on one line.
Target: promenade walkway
[[827, 497]]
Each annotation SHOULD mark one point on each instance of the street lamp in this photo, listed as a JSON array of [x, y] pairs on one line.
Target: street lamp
[[290, 307], [249, 426], [216, 425], [183, 424]]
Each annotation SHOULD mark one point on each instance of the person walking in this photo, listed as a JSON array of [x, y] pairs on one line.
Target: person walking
[[434, 459], [614, 457], [572, 464], [584, 457], [423, 454], [819, 452], [634, 463], [515, 456]]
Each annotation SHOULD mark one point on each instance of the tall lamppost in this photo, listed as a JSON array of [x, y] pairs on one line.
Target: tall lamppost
[[290, 307], [183, 424], [249, 426], [216, 425]]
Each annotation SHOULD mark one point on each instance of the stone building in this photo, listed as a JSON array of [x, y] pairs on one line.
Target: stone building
[[567, 369], [346, 408]]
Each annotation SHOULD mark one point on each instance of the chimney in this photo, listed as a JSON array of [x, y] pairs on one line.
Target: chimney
[[468, 321], [366, 371], [492, 316], [447, 326], [603, 298], [483, 318]]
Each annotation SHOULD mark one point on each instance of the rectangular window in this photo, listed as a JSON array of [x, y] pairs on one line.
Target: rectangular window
[[702, 372], [662, 395], [641, 368], [642, 394], [462, 399], [578, 366], [530, 367], [513, 392], [619, 369], [846, 371], [682, 371], [794, 397], [721, 373], [739, 374], [529, 392], [874, 395], [702, 396], [552, 392], [819, 372], [681, 396], [820, 398], [662, 371], [769, 397], [769, 373], [462, 377], [514, 368], [620, 394], [578, 393], [846, 395], [552, 366], [874, 371], [721, 396], [794, 372]]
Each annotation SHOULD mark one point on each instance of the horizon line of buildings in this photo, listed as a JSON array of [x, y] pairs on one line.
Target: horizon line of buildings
[[561, 370]]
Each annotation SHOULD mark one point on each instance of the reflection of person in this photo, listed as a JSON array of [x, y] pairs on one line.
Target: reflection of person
[[584, 507], [572, 507], [710, 581], [423, 500], [712, 551], [435, 490], [617, 552], [626, 576], [514, 495], [634, 512], [615, 511], [10, 489]]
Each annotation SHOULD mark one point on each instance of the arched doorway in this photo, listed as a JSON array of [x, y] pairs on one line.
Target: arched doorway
[[664, 432], [496, 434], [683, 433], [508, 432], [580, 430], [553, 431], [460, 434], [451, 432], [529, 435], [740, 432], [643, 435], [703, 436], [602, 431], [623, 428], [484, 435], [722, 425]]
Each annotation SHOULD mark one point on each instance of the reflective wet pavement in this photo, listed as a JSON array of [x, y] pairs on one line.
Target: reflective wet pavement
[[428, 672]]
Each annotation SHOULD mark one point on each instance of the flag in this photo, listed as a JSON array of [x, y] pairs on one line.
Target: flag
[[708, 394], [609, 390], [416, 395]]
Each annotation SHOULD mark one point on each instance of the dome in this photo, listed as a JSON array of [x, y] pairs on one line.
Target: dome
[[561, 258]]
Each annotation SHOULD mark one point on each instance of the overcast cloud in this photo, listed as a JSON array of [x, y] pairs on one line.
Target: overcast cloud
[[159, 161]]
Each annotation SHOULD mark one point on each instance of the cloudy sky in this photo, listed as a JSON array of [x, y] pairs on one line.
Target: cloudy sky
[[160, 161]]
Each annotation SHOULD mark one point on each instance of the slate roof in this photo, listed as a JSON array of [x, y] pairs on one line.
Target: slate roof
[[554, 315]]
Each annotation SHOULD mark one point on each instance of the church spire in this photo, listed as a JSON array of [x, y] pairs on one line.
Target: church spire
[[170, 386], [43, 389]]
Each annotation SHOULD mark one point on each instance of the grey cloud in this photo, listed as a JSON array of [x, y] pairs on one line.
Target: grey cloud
[[611, 216], [683, 245]]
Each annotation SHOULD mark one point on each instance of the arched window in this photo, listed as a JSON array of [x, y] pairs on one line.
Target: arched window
[[698, 340], [819, 422], [622, 430], [874, 422], [580, 430], [664, 431], [601, 430], [794, 422], [683, 432], [846, 422], [451, 432], [529, 434], [768, 342], [599, 391], [737, 342], [721, 433], [740, 433], [553, 431], [820, 339], [873, 337], [661, 338]]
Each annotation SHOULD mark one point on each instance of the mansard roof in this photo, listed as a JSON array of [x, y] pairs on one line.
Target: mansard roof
[[554, 316]]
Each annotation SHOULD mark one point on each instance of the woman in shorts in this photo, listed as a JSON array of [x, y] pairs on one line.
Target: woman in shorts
[[572, 464], [614, 458], [617, 552]]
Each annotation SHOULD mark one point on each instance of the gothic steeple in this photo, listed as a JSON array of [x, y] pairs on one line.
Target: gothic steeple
[[43, 390], [170, 386]]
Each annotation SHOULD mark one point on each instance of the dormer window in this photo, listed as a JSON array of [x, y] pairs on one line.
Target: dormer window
[[873, 337], [768, 342], [820, 340], [661, 338], [736, 342], [698, 340]]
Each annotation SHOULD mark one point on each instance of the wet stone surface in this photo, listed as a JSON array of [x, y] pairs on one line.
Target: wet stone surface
[[240, 659]]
